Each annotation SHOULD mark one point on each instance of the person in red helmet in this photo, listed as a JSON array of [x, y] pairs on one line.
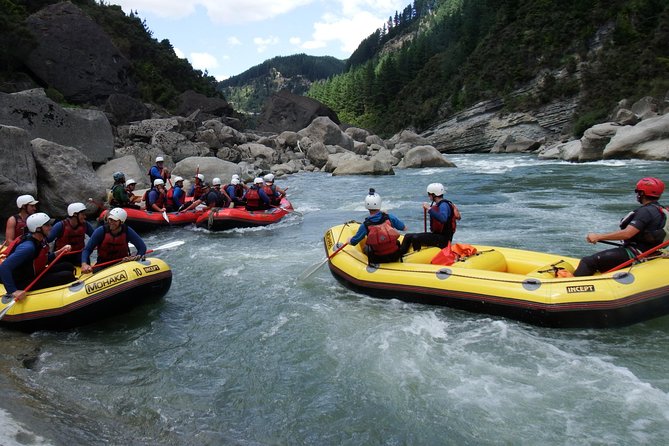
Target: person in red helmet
[[641, 230]]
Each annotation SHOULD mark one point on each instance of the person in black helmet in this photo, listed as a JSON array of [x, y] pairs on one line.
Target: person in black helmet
[[641, 230]]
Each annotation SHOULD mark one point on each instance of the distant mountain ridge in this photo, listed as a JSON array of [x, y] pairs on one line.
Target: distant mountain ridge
[[248, 91]]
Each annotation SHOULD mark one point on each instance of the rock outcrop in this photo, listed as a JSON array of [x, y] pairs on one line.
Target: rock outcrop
[[18, 174], [87, 130], [75, 56], [287, 111]]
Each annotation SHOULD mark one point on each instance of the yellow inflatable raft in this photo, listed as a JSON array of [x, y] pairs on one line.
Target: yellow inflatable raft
[[508, 282], [110, 291]]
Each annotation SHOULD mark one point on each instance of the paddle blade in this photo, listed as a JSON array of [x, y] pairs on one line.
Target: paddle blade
[[167, 219], [311, 270], [7, 308]]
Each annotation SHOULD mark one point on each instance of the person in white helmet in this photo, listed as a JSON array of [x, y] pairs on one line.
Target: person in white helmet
[[196, 188], [176, 196], [381, 232], [443, 220], [216, 198], [71, 231], [274, 192], [29, 256], [156, 197], [235, 191], [133, 200], [111, 240], [159, 171], [256, 198], [16, 224]]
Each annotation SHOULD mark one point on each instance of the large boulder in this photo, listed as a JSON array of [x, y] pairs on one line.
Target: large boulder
[[323, 129], [595, 139], [18, 174], [177, 146], [87, 130], [424, 156], [129, 166], [649, 139], [287, 111], [209, 166], [207, 108], [360, 166], [75, 56], [318, 154], [123, 109], [65, 176]]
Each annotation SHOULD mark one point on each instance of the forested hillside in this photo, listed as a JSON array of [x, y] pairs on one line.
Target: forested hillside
[[249, 90], [456, 53], [159, 73]]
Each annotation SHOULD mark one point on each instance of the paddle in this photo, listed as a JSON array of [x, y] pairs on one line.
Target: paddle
[[167, 219], [165, 246], [32, 284], [313, 268], [639, 257], [424, 220]]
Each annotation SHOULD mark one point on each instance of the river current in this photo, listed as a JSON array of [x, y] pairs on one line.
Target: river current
[[240, 352]]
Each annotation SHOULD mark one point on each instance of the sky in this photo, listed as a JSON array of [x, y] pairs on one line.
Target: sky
[[227, 37]]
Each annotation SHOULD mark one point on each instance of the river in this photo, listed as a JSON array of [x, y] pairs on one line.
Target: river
[[239, 352]]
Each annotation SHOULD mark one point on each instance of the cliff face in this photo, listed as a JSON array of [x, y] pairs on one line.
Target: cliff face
[[75, 56]]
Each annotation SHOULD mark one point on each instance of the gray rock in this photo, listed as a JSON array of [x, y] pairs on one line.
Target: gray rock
[[177, 146], [87, 130], [424, 156], [254, 151], [357, 134], [646, 107], [514, 144], [123, 109], [82, 63], [65, 176], [209, 166], [232, 154], [18, 173], [191, 102], [363, 167], [625, 117], [386, 156], [374, 139], [318, 154], [129, 166], [287, 111], [337, 158], [595, 139], [323, 129], [649, 139]]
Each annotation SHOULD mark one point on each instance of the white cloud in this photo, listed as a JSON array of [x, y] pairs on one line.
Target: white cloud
[[219, 11], [234, 41], [295, 41], [203, 61], [262, 43], [348, 31], [180, 54]]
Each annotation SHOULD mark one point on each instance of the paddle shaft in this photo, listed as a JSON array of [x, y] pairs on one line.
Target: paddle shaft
[[424, 220], [639, 257], [315, 268]]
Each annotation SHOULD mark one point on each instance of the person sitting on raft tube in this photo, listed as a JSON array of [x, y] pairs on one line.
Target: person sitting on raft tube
[[71, 231], [119, 195], [156, 197], [256, 198], [641, 230], [380, 228], [132, 198], [111, 240], [216, 198], [274, 192], [29, 256], [443, 219], [16, 224], [176, 195], [235, 191]]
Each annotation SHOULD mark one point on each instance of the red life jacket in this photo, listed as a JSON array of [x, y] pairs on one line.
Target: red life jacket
[[253, 200], [160, 201], [448, 228], [170, 197], [20, 228], [113, 247], [72, 236], [381, 236]]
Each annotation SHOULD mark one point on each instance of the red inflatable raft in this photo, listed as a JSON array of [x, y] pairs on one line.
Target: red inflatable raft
[[229, 218], [141, 220]]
